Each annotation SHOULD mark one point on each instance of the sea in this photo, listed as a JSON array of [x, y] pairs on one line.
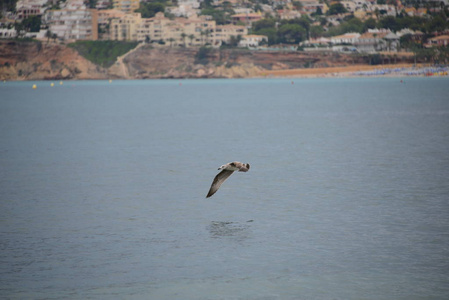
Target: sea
[[103, 189]]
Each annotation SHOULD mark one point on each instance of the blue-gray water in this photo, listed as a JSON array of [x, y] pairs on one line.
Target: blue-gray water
[[103, 185]]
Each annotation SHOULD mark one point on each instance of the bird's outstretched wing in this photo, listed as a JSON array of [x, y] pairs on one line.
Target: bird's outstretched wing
[[218, 180], [243, 167]]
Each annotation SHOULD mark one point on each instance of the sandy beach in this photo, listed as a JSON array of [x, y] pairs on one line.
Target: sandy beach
[[361, 70]]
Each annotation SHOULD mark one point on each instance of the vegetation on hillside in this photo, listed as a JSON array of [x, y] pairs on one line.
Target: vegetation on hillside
[[103, 53], [150, 9], [297, 30], [221, 15]]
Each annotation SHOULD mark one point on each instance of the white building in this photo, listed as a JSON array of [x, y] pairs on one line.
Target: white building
[[27, 8], [182, 11], [6, 33], [74, 22], [347, 38], [191, 3], [223, 33], [252, 40]]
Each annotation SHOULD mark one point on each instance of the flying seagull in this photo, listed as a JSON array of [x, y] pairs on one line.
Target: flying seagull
[[226, 171]]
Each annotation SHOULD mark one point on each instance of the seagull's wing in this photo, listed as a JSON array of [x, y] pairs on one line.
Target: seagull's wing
[[243, 167], [218, 180]]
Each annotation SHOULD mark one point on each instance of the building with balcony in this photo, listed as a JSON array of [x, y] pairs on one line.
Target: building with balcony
[[127, 6], [74, 22], [125, 28]]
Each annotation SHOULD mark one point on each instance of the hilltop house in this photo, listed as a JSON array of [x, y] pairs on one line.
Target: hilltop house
[[438, 41], [246, 18]]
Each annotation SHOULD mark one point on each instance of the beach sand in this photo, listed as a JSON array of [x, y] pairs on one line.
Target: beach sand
[[344, 71]]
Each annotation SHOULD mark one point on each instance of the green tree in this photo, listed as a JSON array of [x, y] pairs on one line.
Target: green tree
[[183, 37], [389, 22], [219, 16], [336, 8], [191, 38], [171, 40], [263, 24], [20, 29], [32, 23], [235, 40], [369, 24], [438, 23], [316, 31], [150, 9], [291, 33], [48, 35], [9, 5], [202, 56], [318, 12], [271, 33], [92, 3], [297, 5], [406, 41]]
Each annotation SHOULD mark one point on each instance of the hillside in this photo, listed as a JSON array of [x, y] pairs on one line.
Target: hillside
[[22, 60], [41, 61]]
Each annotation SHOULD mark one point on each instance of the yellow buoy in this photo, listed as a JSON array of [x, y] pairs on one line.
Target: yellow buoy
[[60, 82], [34, 86], [52, 84], [110, 80]]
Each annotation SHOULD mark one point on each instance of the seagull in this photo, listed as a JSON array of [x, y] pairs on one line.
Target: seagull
[[226, 171]]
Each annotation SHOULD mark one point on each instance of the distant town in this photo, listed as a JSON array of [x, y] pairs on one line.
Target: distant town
[[361, 26]]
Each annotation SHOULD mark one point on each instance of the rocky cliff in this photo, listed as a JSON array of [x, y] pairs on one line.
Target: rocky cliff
[[21, 60], [150, 62], [40, 60]]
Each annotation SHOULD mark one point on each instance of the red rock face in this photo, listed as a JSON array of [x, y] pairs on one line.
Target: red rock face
[[33, 61]]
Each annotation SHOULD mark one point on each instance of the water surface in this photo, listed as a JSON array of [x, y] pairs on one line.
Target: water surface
[[103, 185]]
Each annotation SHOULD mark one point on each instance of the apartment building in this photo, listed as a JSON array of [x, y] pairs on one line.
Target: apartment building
[[127, 6], [223, 33], [73, 22], [104, 19], [28, 8], [125, 28], [197, 29], [193, 31], [153, 28]]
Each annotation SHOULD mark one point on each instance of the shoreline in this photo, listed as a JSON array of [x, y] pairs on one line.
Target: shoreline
[[395, 70], [354, 71]]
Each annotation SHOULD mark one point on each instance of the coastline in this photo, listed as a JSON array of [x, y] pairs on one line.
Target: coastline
[[59, 62], [395, 70]]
